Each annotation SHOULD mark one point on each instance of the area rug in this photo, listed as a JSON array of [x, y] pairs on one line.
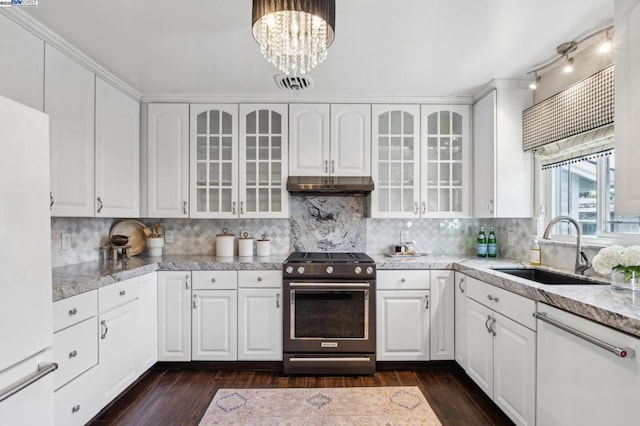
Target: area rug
[[392, 405]]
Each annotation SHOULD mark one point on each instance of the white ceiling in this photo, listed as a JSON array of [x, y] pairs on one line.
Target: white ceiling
[[400, 48]]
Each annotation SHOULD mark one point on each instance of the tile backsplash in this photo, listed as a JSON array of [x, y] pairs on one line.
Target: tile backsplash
[[315, 224]]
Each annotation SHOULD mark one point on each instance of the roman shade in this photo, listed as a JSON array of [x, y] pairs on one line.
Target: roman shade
[[590, 144]]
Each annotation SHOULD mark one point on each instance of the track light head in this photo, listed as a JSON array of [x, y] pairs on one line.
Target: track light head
[[534, 83]]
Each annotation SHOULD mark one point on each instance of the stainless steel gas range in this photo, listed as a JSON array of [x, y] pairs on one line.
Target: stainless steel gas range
[[329, 313]]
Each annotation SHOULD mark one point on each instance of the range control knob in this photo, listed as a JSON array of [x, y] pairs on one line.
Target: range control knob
[[289, 269], [301, 270], [357, 270], [329, 269], [369, 270]]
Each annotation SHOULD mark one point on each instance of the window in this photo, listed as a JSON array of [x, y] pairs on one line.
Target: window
[[584, 189]]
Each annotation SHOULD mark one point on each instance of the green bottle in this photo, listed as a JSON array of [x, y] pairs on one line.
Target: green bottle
[[492, 244], [481, 243]]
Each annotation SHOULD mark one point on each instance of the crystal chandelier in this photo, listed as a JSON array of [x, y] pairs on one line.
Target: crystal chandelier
[[294, 34]]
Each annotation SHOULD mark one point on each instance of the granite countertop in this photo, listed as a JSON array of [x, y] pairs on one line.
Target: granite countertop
[[601, 303]]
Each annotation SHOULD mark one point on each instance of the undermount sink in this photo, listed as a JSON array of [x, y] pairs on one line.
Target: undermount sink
[[547, 277]]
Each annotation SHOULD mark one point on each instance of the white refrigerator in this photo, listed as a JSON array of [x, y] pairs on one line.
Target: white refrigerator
[[26, 321]]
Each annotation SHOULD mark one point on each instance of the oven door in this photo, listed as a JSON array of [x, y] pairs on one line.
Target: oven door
[[329, 317]]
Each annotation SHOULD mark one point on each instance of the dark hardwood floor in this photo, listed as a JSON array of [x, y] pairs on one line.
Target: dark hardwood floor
[[167, 396]]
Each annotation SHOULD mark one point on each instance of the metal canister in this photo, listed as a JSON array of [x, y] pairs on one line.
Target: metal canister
[[224, 244], [245, 245], [263, 246]]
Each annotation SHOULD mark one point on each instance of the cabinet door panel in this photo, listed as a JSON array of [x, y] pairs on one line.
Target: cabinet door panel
[[479, 348], [309, 132], [147, 321], [69, 101], [402, 325], [167, 160], [117, 153], [350, 140], [484, 135], [442, 315], [460, 319], [259, 324], [214, 325], [174, 316]]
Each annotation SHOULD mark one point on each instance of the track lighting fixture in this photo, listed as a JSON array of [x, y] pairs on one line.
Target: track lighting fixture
[[606, 45], [568, 67], [534, 83], [564, 50]]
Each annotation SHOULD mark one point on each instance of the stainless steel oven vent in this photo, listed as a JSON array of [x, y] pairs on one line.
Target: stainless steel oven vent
[[293, 83]]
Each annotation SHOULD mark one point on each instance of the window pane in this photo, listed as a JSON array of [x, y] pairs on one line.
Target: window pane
[[576, 196], [614, 222]]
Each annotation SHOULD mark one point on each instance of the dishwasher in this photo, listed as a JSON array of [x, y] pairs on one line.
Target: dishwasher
[[587, 373]]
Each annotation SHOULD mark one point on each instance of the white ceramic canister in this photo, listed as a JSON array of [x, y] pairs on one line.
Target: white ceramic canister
[[245, 245], [263, 246], [224, 244]]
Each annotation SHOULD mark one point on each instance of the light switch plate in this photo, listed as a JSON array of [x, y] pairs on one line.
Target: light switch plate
[[65, 241], [168, 237], [510, 239]]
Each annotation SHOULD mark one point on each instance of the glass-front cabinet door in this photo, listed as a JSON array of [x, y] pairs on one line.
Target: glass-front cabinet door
[[264, 145], [214, 161], [445, 161], [396, 161]]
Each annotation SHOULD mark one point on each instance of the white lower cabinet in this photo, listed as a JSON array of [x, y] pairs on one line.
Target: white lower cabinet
[[174, 316], [442, 293], [147, 321], [214, 325], [78, 401], [501, 352], [260, 315], [460, 299]]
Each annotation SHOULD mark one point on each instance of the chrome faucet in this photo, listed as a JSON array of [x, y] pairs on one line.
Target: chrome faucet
[[582, 261]]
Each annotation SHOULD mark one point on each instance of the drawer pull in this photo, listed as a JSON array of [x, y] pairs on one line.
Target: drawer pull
[[402, 280], [486, 323], [492, 327], [105, 329], [493, 299], [122, 292], [73, 354], [72, 312], [75, 409], [259, 279], [460, 285], [213, 280]]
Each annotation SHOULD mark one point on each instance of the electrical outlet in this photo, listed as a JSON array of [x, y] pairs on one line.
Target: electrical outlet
[[65, 241], [510, 241], [168, 237]]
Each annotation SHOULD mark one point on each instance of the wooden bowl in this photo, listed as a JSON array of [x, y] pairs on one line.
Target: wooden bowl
[[119, 240]]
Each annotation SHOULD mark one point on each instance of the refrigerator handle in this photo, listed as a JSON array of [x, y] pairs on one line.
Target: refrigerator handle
[[44, 368]]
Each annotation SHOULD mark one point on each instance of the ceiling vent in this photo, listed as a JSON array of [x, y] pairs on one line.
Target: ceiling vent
[[293, 83]]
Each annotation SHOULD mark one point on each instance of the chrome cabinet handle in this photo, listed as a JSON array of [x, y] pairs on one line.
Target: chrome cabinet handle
[[51, 200], [72, 312], [460, 285], [486, 323], [105, 329], [426, 300], [277, 300], [492, 327], [184, 207], [241, 207], [402, 280], [424, 207], [333, 166], [617, 351], [416, 208], [100, 204], [186, 282], [259, 279], [233, 207], [73, 354], [122, 292], [44, 368], [493, 299], [326, 166], [490, 206], [195, 306], [75, 409], [213, 280]]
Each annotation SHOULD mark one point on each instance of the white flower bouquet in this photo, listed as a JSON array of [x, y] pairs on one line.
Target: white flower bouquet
[[625, 260]]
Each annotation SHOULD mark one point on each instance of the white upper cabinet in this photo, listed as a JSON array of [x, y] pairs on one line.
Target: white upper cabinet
[[117, 185], [22, 73], [396, 161], [446, 161], [502, 171], [627, 106], [167, 161], [350, 140], [214, 161], [264, 146], [330, 140], [69, 101]]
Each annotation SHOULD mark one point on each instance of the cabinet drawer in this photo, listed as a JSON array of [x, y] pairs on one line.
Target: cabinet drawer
[[78, 401], [403, 280], [214, 280], [260, 279], [512, 305], [117, 294], [74, 309], [75, 350]]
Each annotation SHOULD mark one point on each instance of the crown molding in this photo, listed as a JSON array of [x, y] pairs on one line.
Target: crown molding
[[35, 27], [501, 84], [306, 98]]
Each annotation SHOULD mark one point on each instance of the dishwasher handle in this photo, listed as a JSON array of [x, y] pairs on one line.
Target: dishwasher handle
[[43, 369], [619, 352]]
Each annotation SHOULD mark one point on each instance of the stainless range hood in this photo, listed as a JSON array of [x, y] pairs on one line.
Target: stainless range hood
[[329, 185]]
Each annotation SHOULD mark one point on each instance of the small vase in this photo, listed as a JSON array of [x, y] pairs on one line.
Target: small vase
[[619, 281], [154, 246]]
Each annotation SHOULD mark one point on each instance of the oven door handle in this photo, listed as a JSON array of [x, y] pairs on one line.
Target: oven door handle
[[330, 285]]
